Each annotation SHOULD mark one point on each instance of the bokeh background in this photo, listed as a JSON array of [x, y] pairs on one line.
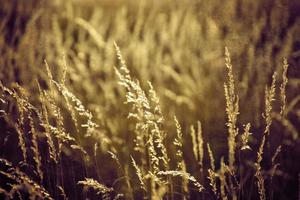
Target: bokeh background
[[178, 45]]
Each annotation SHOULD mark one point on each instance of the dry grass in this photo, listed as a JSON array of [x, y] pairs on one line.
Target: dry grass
[[115, 111]]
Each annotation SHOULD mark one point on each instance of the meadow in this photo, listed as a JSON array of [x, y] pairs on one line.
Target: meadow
[[127, 99]]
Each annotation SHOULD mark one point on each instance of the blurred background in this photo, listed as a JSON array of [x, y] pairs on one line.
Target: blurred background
[[178, 45]]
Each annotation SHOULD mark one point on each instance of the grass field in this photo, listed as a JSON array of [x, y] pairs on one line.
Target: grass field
[[184, 99]]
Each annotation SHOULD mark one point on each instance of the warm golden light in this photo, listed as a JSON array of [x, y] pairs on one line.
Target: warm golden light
[[136, 99]]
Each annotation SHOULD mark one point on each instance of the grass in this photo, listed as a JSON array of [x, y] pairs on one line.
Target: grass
[[141, 101]]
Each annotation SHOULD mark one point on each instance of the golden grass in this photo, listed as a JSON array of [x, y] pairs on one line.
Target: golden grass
[[150, 138], [94, 126]]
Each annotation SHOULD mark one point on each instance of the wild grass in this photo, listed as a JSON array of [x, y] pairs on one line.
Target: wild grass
[[140, 101]]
